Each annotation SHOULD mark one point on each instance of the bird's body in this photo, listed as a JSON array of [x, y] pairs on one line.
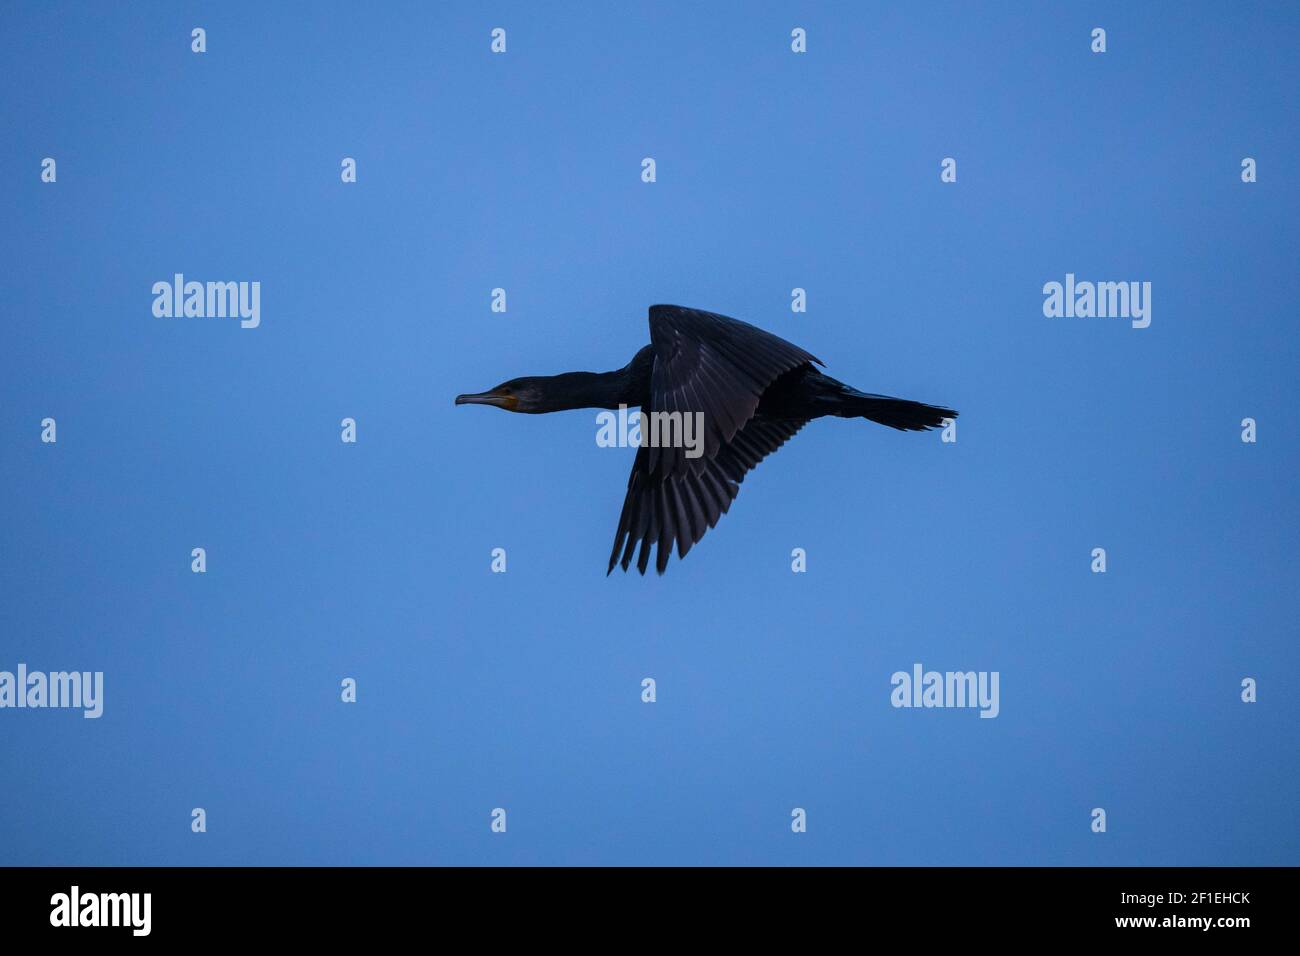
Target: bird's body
[[749, 390]]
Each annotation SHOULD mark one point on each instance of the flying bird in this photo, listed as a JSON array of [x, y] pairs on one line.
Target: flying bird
[[750, 391]]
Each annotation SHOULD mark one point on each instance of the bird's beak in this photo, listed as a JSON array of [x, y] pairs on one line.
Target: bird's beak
[[507, 402]]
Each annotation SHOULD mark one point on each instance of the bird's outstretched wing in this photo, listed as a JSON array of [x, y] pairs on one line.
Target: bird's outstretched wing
[[719, 367], [662, 510], [708, 363]]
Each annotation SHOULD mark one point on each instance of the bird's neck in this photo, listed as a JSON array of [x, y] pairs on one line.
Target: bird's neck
[[588, 390]]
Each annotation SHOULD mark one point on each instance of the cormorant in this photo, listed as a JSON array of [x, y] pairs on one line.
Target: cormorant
[[754, 391]]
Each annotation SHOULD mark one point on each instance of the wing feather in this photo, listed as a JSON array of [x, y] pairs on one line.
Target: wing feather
[[659, 511], [718, 367], [713, 365]]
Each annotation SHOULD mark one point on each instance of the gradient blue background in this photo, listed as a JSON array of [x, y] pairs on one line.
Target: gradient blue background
[[522, 690]]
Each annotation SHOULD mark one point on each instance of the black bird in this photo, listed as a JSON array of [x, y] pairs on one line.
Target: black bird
[[754, 391]]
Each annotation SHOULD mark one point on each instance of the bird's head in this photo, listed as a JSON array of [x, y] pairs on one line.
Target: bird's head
[[516, 395]]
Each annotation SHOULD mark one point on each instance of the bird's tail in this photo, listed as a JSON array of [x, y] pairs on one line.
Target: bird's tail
[[897, 413]]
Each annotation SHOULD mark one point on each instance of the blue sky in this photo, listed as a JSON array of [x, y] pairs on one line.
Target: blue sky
[[522, 690]]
